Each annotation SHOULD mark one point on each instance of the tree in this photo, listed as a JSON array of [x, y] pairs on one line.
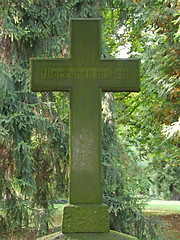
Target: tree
[[34, 127], [151, 29], [122, 179]]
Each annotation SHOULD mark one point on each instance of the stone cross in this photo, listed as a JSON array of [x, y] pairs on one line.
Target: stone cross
[[85, 75]]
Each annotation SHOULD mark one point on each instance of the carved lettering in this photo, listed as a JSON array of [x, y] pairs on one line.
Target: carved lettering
[[65, 73]]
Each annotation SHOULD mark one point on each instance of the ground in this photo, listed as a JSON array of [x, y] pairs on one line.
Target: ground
[[173, 226], [168, 210], [169, 213], [112, 235], [172, 230]]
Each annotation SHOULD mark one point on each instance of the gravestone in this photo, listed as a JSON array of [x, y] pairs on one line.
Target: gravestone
[[85, 75]]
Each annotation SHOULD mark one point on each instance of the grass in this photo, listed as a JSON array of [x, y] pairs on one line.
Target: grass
[[170, 215], [59, 208], [154, 206], [168, 210], [57, 218], [163, 207]]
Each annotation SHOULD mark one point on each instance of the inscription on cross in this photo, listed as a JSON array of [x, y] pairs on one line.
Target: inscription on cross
[[85, 75]]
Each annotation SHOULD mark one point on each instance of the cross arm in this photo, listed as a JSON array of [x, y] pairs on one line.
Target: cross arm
[[50, 74], [119, 75]]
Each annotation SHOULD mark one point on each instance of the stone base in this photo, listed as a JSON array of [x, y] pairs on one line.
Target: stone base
[[85, 218], [112, 235]]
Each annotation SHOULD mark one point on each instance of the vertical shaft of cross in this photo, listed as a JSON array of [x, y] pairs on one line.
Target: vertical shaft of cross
[[85, 122], [85, 42], [85, 145]]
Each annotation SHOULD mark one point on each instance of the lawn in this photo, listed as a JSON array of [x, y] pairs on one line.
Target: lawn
[[170, 215], [154, 205], [168, 210], [57, 218], [59, 208], [163, 207]]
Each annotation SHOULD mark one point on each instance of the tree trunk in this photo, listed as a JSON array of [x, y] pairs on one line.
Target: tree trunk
[[176, 195]]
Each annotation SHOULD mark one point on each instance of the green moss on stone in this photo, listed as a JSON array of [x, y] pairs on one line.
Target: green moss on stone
[[112, 235], [85, 218]]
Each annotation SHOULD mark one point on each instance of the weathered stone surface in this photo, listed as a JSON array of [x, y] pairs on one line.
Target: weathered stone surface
[[112, 235], [85, 75], [85, 218]]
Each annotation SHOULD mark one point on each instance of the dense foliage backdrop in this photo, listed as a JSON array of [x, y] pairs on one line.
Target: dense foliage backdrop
[[140, 130], [151, 30]]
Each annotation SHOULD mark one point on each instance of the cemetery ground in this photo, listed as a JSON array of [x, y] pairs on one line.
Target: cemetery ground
[[167, 212]]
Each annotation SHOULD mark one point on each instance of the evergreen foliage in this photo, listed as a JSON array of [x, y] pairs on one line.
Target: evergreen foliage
[[34, 127]]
